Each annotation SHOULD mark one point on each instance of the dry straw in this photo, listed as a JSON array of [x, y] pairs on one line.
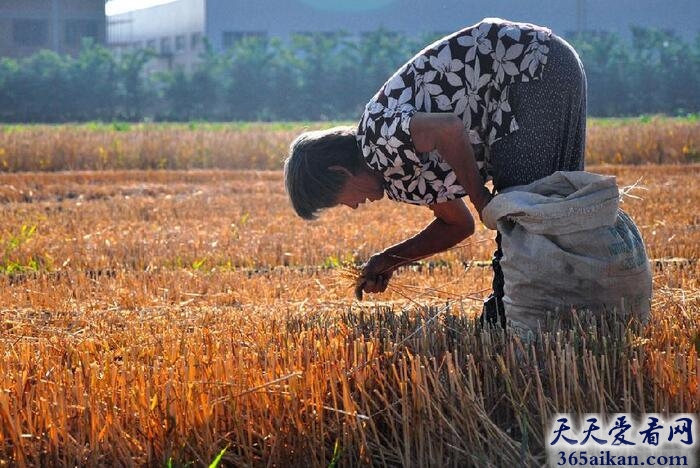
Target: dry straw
[[155, 317], [410, 386], [262, 146]]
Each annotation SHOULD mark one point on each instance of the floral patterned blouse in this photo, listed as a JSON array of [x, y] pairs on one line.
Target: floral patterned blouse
[[466, 73]]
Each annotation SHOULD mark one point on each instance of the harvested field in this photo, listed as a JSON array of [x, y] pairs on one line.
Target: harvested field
[[159, 317]]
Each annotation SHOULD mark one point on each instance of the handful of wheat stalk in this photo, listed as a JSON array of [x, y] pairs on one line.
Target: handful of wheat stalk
[[354, 275]]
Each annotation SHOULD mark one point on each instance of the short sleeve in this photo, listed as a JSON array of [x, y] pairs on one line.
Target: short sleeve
[[384, 137]]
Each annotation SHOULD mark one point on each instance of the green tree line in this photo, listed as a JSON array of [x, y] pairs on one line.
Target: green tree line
[[315, 77]]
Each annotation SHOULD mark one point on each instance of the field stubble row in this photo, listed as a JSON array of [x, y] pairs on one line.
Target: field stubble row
[[649, 140], [161, 315], [227, 220]]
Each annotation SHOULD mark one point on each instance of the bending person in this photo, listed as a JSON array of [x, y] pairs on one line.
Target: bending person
[[499, 100]]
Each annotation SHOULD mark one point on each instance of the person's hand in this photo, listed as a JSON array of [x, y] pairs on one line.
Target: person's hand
[[375, 275]]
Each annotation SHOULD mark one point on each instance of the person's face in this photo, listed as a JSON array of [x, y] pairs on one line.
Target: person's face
[[360, 188]]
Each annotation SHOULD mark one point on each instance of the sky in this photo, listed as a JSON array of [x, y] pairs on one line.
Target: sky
[[114, 7]]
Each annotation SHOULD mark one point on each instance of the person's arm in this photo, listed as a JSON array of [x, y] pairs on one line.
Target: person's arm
[[444, 132], [453, 223]]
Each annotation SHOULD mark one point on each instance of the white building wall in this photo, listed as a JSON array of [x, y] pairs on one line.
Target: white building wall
[[175, 31]]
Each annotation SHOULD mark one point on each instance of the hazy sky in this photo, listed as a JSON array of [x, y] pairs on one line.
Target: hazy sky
[[114, 7]]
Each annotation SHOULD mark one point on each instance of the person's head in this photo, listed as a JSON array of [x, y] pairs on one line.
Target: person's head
[[325, 168]]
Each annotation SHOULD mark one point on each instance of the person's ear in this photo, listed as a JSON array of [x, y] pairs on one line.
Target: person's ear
[[341, 169]]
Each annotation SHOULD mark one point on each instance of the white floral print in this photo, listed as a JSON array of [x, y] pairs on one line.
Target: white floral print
[[503, 60], [466, 73], [477, 39]]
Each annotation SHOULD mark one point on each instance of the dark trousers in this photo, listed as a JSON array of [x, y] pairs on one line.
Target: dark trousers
[[551, 114], [493, 311]]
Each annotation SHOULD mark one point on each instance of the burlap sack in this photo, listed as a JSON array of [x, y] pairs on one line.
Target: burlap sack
[[567, 244]]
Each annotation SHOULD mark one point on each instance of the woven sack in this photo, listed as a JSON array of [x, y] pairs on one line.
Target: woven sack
[[567, 245]]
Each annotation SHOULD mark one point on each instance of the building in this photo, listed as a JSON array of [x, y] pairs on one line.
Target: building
[[27, 26], [174, 31], [177, 28]]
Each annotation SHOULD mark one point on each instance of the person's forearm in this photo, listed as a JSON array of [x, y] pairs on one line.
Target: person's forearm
[[436, 237]]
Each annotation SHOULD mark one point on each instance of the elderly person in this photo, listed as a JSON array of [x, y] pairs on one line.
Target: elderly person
[[499, 100]]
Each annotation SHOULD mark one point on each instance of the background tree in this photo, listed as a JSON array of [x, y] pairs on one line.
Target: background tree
[[316, 77], [91, 93], [251, 79]]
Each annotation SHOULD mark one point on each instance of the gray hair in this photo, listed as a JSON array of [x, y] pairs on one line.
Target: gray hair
[[311, 183]]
